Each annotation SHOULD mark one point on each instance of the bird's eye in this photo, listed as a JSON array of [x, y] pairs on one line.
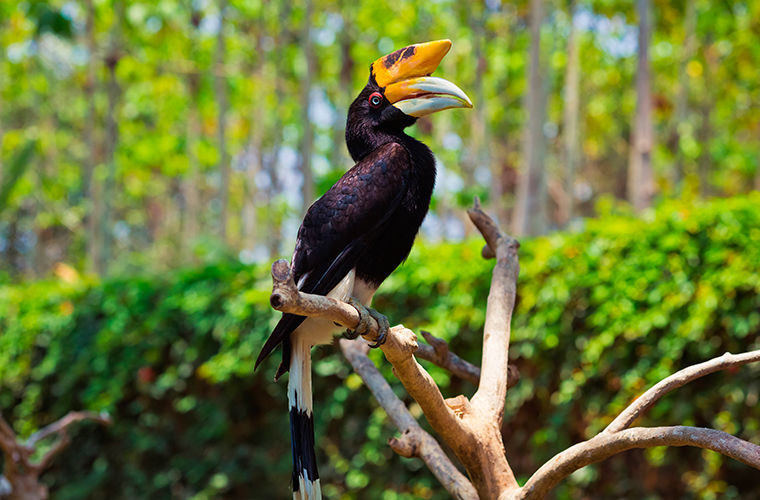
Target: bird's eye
[[375, 99]]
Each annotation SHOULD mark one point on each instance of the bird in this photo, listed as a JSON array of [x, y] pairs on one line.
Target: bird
[[354, 236]]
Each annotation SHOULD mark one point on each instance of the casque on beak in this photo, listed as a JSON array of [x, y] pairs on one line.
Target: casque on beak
[[408, 86]]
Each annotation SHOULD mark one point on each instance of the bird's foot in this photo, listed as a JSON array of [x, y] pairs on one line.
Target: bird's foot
[[383, 325], [363, 325]]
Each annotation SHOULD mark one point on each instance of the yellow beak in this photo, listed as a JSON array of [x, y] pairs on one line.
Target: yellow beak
[[408, 86]]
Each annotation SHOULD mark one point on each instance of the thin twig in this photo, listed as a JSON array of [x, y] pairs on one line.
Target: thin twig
[[64, 423], [438, 353], [678, 379]]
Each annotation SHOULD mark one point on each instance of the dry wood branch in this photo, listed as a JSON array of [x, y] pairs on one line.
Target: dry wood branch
[[414, 441], [15, 452], [605, 445], [678, 379], [61, 425], [399, 347], [492, 389], [471, 430], [286, 298], [438, 353], [618, 437], [21, 475]]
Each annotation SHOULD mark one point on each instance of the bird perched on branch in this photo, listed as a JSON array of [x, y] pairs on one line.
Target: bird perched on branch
[[355, 235]]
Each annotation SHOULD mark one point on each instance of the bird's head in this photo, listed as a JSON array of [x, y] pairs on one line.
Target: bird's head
[[400, 90]]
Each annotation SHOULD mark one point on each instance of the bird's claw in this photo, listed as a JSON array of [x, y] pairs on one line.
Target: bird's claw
[[363, 327], [383, 325]]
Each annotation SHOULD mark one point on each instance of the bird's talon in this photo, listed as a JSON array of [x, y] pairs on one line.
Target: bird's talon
[[363, 326], [383, 325], [350, 334]]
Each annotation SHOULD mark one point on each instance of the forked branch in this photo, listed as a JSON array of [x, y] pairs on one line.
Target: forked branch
[[472, 428], [618, 437], [473, 431], [678, 379], [437, 352], [20, 472], [414, 441]]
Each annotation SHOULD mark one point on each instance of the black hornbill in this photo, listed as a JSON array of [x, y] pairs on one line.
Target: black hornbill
[[355, 235]]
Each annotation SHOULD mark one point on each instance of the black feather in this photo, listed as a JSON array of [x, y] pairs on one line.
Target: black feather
[[341, 227]]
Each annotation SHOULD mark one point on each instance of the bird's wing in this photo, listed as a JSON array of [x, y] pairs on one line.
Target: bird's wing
[[339, 225]]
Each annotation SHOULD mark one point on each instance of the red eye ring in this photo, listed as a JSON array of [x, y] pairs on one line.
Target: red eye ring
[[375, 99]]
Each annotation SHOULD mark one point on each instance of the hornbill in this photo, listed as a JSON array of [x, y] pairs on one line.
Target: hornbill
[[364, 226]]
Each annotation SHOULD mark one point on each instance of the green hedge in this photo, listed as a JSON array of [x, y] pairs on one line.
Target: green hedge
[[601, 315]]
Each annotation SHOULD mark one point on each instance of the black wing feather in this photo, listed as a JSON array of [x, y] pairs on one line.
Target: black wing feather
[[338, 227]]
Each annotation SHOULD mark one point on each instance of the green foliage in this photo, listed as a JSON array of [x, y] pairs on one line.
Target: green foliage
[[601, 315]]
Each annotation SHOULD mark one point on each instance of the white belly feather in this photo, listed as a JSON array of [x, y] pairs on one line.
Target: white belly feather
[[316, 331]]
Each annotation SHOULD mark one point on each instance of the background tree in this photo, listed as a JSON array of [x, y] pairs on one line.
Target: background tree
[[640, 175], [530, 215]]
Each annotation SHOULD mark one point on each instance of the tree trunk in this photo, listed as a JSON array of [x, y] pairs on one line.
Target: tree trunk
[[220, 89], [530, 215], [570, 118], [339, 156], [705, 128], [191, 218], [254, 153], [280, 12], [477, 154], [112, 132], [682, 98], [91, 194], [24, 485], [307, 137], [640, 177]]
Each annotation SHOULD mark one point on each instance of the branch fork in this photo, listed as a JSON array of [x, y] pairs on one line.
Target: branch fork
[[472, 427], [21, 473]]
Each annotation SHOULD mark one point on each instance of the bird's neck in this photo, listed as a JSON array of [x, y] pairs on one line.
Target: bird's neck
[[362, 142]]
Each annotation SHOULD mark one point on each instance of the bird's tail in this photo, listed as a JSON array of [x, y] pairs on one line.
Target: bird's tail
[[305, 475]]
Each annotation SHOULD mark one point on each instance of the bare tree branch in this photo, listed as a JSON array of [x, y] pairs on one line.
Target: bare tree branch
[[13, 451], [438, 353], [63, 442], [64, 423], [286, 298], [492, 389], [473, 431], [472, 428], [678, 379], [605, 444], [414, 442], [20, 474]]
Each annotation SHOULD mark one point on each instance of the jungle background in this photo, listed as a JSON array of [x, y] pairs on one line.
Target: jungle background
[[155, 157]]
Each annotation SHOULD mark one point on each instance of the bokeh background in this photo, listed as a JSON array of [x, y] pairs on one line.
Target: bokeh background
[[156, 156]]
